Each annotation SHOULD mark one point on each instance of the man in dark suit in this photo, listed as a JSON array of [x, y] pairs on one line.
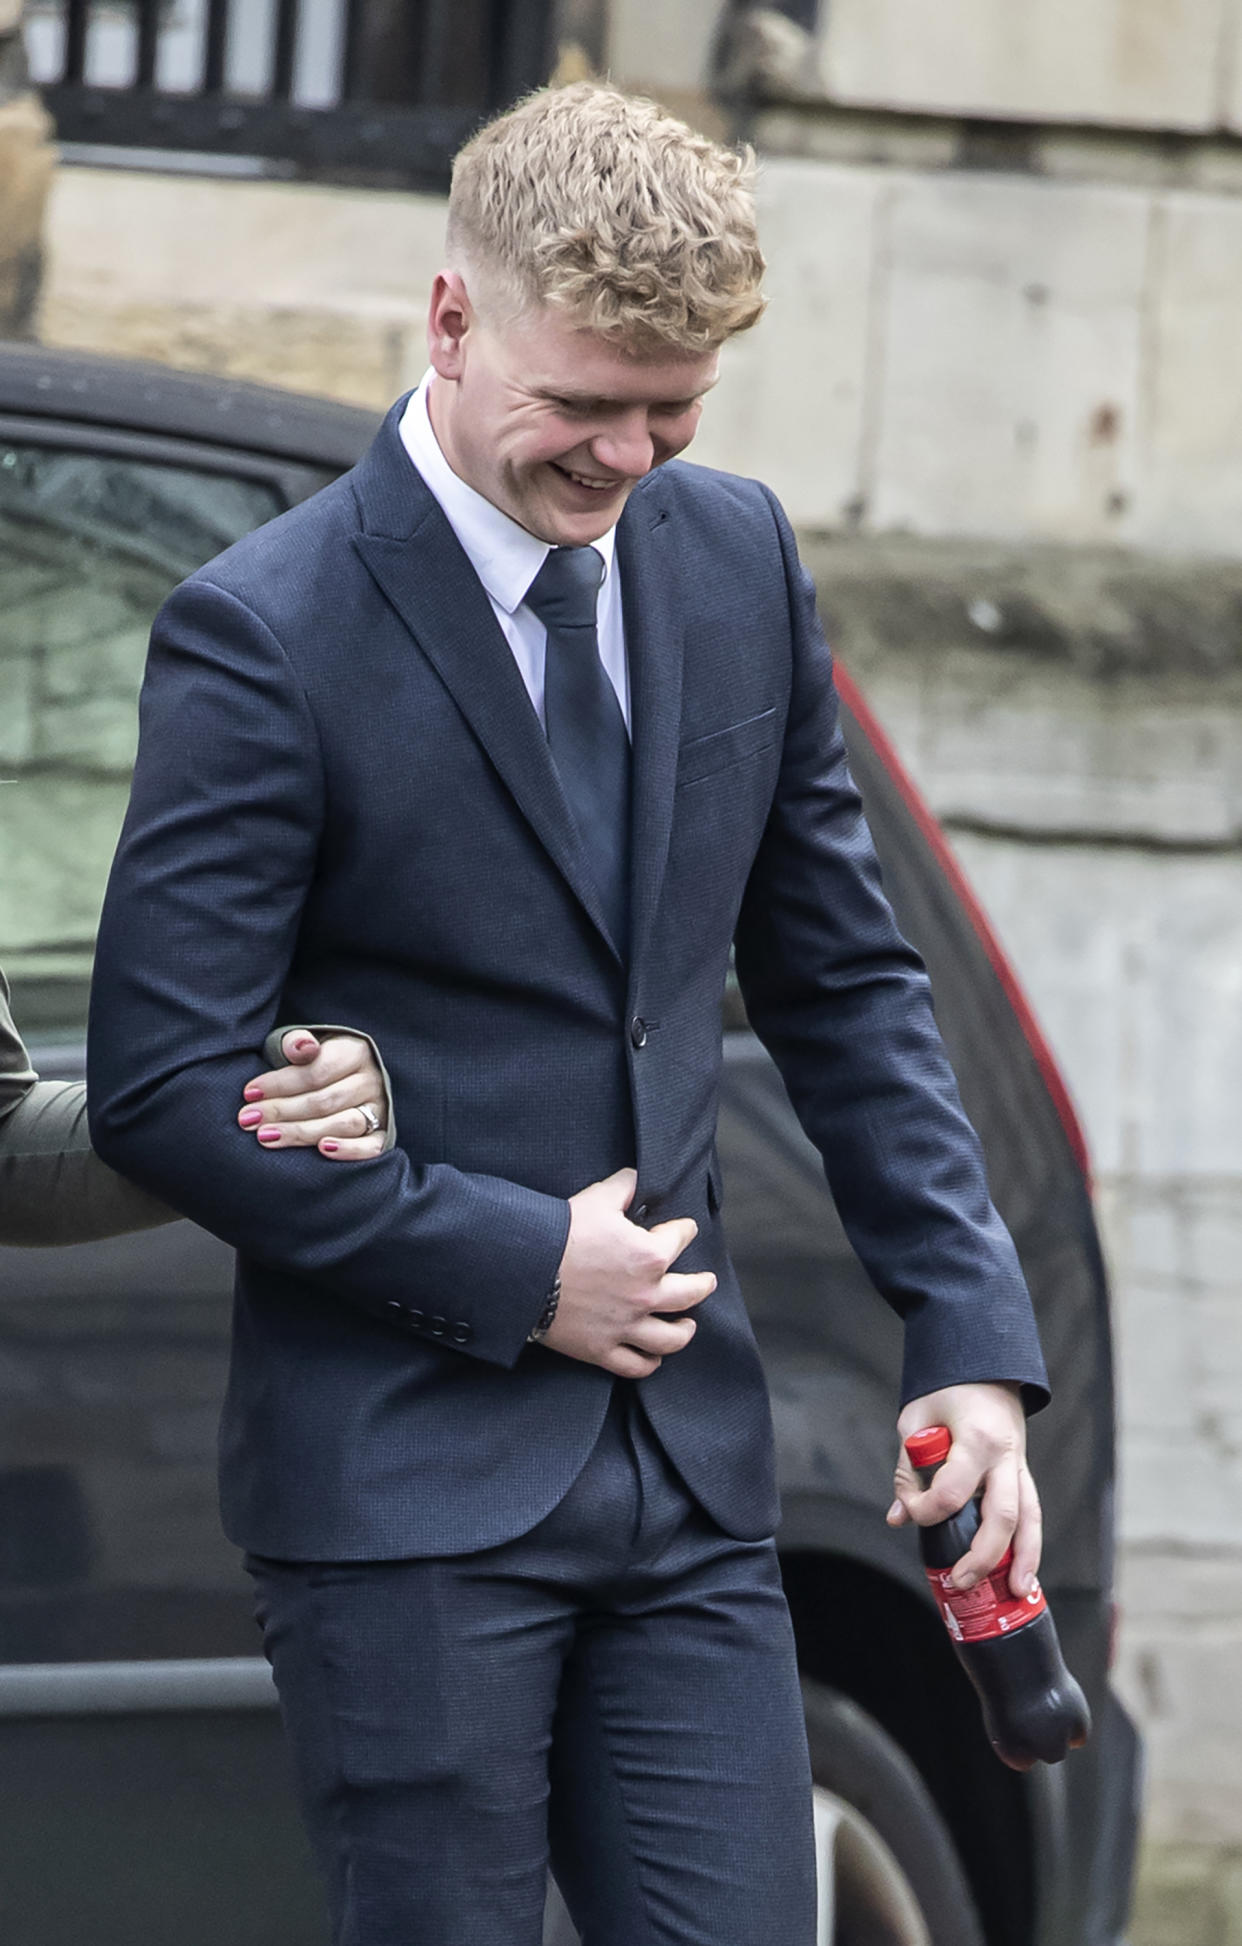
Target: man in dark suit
[[498, 744]]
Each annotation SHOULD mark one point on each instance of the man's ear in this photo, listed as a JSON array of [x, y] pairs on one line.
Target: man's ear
[[449, 320]]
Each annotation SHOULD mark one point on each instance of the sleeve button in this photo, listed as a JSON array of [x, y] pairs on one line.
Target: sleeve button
[[462, 1334], [436, 1326]]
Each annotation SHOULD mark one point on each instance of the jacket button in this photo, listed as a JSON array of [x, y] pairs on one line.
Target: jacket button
[[462, 1334], [640, 1213], [638, 1031], [436, 1326]]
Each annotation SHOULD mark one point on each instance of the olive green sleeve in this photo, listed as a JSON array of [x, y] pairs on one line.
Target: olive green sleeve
[[53, 1187], [17, 1077]]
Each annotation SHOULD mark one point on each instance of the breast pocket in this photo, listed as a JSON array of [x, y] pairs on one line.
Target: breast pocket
[[719, 750]]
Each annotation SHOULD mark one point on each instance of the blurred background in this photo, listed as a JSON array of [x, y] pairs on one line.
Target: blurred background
[[999, 389]]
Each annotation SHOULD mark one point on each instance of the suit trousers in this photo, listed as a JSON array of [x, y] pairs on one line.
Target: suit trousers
[[614, 1692]]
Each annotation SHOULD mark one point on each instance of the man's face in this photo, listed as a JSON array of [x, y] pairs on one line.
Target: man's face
[[552, 423]]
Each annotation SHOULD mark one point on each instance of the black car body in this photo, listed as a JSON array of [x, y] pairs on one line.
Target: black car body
[[143, 1786]]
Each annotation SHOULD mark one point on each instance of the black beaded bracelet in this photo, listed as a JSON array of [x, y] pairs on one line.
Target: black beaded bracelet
[[546, 1316]]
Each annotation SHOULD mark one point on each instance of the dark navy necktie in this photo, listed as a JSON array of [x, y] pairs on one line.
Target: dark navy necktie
[[586, 729]]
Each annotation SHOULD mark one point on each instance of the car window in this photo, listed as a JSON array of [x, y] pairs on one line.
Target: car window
[[90, 544]]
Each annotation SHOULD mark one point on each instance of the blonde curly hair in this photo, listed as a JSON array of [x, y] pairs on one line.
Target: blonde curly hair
[[602, 204]]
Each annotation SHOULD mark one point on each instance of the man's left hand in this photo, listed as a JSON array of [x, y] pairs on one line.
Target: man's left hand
[[989, 1457]]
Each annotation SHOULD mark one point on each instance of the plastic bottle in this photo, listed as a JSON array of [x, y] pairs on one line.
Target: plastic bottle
[[1033, 1710]]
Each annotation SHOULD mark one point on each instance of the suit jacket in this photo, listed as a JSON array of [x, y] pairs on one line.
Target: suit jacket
[[344, 802]]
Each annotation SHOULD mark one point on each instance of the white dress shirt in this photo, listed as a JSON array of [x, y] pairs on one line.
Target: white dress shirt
[[506, 559]]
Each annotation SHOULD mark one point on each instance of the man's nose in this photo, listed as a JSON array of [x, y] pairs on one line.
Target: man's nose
[[625, 447]]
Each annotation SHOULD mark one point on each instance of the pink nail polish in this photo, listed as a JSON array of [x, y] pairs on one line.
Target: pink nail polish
[[250, 1117], [253, 1092], [329, 1147], [269, 1135]]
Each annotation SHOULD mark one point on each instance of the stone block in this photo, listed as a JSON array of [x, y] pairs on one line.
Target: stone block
[[1180, 1640], [1009, 346], [1138, 63], [1184, 1897], [1229, 1879], [130, 236], [1015, 747], [662, 48], [1131, 960], [791, 402], [1231, 67], [321, 289], [1175, 1464], [361, 361], [1191, 491], [856, 136], [1217, 1238]]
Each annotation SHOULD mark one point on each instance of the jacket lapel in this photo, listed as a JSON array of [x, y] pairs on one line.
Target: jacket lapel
[[654, 635], [413, 554]]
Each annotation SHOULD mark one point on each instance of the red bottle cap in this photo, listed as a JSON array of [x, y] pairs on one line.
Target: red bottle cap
[[929, 1447]]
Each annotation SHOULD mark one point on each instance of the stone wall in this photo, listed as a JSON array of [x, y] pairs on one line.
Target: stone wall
[[994, 354], [1075, 719], [1139, 63], [959, 352], [1152, 64], [320, 289]]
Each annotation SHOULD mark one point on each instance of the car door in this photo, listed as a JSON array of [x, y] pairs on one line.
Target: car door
[[143, 1784]]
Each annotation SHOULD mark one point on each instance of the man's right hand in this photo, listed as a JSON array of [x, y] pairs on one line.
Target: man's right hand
[[615, 1281]]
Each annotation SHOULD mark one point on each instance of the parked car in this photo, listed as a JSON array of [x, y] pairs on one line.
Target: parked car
[[144, 1792]]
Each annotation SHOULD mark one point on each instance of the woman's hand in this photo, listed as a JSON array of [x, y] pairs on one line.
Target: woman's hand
[[318, 1101]]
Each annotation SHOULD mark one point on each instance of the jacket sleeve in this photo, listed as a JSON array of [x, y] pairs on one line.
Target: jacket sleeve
[[17, 1077], [53, 1188], [843, 1005], [218, 853]]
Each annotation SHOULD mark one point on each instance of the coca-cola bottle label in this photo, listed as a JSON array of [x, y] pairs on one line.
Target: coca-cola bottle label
[[987, 1610]]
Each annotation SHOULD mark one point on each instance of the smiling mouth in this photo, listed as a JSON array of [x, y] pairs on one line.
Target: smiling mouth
[[582, 480]]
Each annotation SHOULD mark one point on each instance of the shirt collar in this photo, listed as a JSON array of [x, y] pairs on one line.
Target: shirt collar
[[503, 554]]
